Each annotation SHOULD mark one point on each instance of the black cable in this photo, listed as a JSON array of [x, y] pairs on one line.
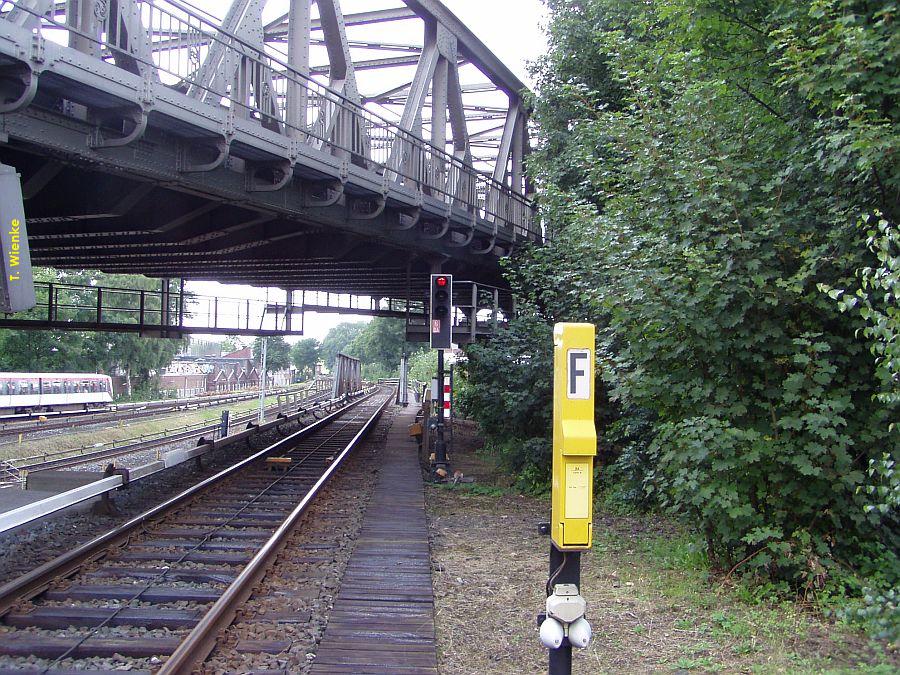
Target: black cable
[[555, 574]]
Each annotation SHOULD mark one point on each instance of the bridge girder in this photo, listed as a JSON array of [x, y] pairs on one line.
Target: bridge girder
[[206, 143]]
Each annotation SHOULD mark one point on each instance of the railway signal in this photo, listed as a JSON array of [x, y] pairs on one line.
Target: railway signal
[[441, 314], [441, 331], [571, 519]]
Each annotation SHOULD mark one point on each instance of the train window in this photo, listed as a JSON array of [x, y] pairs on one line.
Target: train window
[[23, 387], [4, 388], [57, 387]]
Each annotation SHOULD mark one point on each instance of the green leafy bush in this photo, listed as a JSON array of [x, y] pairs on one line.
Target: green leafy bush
[[703, 166]]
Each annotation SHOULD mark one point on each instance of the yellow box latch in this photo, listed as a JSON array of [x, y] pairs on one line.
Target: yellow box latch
[[574, 436]]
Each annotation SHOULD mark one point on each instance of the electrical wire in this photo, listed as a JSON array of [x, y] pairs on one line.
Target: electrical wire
[[555, 574]]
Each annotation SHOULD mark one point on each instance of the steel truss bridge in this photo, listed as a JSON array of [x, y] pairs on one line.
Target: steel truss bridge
[[285, 143]]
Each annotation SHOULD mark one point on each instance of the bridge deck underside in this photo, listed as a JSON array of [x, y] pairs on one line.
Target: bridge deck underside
[[123, 173], [85, 218]]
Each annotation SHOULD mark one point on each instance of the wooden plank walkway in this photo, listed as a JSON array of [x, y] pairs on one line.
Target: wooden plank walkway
[[382, 622]]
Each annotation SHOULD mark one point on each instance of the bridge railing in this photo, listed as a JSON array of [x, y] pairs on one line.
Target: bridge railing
[[176, 46], [164, 312]]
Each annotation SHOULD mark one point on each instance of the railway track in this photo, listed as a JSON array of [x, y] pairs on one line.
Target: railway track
[[12, 425], [17, 469], [163, 585]]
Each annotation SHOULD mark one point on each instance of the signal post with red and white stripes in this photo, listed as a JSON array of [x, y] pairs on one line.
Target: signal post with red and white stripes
[[441, 334]]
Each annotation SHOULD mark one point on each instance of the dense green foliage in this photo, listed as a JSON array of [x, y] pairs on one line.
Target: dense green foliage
[[139, 358], [278, 352], [338, 339], [379, 344], [703, 167], [423, 366], [305, 355]]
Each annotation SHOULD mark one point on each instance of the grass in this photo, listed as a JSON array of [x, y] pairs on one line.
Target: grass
[[122, 430], [653, 602], [476, 489], [728, 627]]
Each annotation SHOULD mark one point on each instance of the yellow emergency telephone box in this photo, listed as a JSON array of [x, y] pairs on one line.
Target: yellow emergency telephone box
[[574, 436]]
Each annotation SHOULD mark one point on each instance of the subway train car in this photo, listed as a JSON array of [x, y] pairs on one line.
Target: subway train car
[[53, 392]]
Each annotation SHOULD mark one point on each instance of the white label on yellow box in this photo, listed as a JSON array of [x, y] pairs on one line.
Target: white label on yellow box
[[578, 374], [578, 495]]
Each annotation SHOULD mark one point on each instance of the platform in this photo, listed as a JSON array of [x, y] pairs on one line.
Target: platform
[[383, 618]]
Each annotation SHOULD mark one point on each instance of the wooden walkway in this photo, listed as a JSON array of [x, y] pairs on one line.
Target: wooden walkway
[[383, 618]]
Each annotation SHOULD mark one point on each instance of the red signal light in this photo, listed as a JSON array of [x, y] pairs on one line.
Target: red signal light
[[441, 281]]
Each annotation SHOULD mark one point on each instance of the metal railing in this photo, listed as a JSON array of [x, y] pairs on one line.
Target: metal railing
[[106, 308], [174, 45]]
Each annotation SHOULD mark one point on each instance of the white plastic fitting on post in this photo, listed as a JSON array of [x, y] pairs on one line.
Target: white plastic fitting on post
[[580, 633], [552, 633], [566, 604]]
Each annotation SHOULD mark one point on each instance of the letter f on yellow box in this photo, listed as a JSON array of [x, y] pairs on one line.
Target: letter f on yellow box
[[574, 436]]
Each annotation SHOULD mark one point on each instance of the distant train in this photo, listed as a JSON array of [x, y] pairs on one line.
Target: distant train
[[53, 392]]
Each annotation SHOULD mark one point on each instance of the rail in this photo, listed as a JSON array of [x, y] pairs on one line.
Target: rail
[[16, 470], [202, 639], [40, 509], [122, 412]]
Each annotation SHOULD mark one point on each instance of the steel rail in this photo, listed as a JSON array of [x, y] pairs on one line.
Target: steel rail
[[202, 639], [128, 411], [138, 446], [36, 581], [123, 477]]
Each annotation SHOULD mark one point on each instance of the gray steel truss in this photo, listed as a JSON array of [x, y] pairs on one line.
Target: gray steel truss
[[155, 138]]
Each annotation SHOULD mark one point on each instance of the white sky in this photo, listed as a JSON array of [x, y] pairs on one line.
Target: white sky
[[512, 29]]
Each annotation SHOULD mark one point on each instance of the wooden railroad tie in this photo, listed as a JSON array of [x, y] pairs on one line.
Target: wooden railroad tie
[[278, 463]]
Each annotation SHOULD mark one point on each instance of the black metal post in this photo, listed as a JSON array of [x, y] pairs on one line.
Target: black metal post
[[440, 448], [224, 424], [565, 568]]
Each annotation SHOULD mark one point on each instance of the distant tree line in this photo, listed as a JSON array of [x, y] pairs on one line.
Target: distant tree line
[[378, 344]]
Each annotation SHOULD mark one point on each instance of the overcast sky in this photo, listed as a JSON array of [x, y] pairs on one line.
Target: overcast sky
[[512, 29]]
